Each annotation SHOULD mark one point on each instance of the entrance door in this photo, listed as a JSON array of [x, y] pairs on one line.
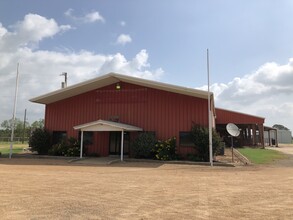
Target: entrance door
[[115, 143]]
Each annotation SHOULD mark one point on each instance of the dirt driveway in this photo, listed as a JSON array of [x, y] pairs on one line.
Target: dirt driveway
[[286, 149], [54, 189]]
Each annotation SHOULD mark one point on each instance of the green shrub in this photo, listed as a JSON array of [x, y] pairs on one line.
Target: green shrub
[[200, 138], [146, 146], [59, 149], [143, 145], [40, 141], [73, 148], [165, 150], [67, 148]]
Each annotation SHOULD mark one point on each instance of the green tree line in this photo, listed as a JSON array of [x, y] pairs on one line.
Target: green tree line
[[21, 129]]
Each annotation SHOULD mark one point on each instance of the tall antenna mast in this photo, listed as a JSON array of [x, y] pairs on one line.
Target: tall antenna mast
[[209, 112], [64, 84], [14, 113]]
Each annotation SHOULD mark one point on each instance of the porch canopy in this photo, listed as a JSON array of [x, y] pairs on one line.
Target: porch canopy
[[269, 140], [103, 125]]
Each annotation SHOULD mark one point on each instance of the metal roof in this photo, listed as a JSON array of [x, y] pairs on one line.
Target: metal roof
[[112, 78], [103, 125], [225, 116]]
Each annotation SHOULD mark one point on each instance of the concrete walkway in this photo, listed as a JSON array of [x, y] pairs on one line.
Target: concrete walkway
[[96, 160], [284, 148], [112, 160]]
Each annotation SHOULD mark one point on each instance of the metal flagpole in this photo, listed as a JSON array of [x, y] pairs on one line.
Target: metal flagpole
[[209, 112], [14, 112]]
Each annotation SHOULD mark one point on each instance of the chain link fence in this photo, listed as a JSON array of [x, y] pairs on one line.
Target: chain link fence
[[16, 139]]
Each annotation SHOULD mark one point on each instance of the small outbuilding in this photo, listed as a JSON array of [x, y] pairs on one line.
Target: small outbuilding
[[284, 136]]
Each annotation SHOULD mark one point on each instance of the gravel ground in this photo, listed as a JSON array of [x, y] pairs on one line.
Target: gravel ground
[[55, 189]]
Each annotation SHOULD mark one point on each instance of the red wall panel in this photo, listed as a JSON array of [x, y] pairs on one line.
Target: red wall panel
[[225, 116], [166, 113]]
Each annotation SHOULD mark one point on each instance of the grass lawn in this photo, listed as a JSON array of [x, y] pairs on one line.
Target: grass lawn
[[17, 148], [261, 156]]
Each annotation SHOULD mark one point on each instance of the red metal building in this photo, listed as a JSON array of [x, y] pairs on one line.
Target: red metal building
[[113, 104], [251, 127]]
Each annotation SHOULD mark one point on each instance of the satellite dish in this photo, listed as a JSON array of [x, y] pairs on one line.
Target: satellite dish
[[233, 130]]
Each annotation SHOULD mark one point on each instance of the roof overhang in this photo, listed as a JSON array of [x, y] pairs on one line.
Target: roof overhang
[[225, 116], [267, 128], [103, 125], [112, 78]]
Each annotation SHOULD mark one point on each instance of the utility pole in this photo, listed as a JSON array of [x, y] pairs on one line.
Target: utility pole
[[24, 122]]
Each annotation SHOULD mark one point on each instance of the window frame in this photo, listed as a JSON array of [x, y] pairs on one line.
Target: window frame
[[184, 140]]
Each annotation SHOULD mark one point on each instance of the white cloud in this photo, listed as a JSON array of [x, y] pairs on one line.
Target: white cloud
[[36, 27], [30, 31], [40, 70], [123, 23], [266, 92], [135, 67], [87, 18], [123, 39], [93, 17], [3, 30]]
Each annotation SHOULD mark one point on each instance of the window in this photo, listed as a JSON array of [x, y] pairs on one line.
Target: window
[[88, 137], [58, 136], [185, 139]]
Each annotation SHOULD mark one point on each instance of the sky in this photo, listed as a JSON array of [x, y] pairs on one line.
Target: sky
[[249, 42]]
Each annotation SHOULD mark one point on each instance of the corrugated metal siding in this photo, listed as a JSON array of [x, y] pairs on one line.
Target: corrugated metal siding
[[225, 117], [164, 112]]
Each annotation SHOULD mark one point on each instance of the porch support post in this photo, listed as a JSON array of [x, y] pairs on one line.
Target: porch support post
[[122, 143], [249, 132], [254, 135], [277, 141], [261, 135], [269, 135], [81, 143]]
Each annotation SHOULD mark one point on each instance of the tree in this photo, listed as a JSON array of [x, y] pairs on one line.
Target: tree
[[38, 124], [40, 141], [6, 128], [143, 145], [200, 138], [18, 128], [280, 127]]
